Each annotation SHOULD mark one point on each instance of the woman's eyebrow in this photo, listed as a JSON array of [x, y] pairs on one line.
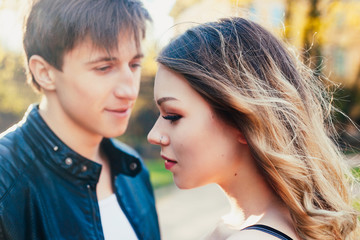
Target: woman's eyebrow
[[164, 99]]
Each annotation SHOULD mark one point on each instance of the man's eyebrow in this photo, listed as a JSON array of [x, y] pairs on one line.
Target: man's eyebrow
[[111, 59], [164, 99], [102, 59], [139, 55]]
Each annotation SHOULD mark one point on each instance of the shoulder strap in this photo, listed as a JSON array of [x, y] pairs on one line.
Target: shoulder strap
[[269, 230]]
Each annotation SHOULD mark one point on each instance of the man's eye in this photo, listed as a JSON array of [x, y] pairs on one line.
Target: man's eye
[[136, 65], [172, 118], [103, 69]]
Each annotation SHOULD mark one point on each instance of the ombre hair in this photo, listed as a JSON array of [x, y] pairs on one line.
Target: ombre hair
[[253, 82]]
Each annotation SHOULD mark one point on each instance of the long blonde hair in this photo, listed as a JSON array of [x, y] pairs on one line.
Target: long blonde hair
[[255, 83]]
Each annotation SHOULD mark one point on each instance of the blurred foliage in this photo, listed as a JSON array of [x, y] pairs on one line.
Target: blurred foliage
[[159, 176], [180, 6], [15, 95], [356, 205], [327, 32], [312, 26], [338, 18], [356, 173], [356, 202]]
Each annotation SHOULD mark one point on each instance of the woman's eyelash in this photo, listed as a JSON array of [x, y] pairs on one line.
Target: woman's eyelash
[[172, 118]]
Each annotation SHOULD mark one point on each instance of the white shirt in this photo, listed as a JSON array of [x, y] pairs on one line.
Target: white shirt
[[114, 222]]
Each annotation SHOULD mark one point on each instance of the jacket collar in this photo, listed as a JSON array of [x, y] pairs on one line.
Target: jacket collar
[[65, 160]]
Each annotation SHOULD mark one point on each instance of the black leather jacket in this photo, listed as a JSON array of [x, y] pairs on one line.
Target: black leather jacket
[[47, 191]]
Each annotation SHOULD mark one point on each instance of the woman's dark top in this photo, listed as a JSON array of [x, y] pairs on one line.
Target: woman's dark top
[[269, 230]]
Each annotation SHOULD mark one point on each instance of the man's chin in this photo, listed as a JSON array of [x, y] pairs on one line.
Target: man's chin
[[116, 133]]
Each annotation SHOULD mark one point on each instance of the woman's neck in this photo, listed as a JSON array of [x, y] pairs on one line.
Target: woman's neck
[[249, 204], [251, 197]]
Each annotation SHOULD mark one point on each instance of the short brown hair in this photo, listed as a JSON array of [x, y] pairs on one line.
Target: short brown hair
[[54, 27]]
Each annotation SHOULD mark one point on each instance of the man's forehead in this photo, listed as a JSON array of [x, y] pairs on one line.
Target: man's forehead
[[126, 45]]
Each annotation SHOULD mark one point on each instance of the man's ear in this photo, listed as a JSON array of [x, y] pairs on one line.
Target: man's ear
[[40, 69], [241, 138]]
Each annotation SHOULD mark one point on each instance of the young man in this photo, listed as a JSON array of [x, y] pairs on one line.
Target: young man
[[61, 174]]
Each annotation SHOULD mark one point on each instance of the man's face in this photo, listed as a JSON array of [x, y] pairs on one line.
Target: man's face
[[95, 93]]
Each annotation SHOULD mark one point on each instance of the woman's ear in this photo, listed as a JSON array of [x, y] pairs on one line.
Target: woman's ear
[[40, 69], [241, 138]]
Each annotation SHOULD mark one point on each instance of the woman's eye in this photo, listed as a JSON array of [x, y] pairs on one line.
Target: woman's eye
[[172, 118]]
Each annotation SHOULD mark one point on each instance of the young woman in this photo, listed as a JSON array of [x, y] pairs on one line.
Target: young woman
[[239, 110]]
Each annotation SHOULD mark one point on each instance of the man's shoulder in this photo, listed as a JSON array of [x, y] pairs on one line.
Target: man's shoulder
[[10, 172], [12, 137], [10, 142], [12, 163]]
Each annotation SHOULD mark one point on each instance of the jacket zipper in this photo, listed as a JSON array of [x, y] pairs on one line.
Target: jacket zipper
[[123, 208], [88, 186]]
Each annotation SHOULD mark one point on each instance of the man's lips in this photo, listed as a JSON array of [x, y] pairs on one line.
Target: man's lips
[[118, 110], [122, 111]]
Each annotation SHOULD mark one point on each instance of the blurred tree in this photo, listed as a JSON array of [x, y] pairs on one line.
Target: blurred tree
[[15, 95], [328, 34], [312, 47], [288, 15]]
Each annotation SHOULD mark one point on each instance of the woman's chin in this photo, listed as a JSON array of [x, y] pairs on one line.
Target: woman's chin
[[186, 184]]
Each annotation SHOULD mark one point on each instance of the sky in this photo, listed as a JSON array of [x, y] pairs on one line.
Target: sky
[[159, 10], [10, 29], [11, 23]]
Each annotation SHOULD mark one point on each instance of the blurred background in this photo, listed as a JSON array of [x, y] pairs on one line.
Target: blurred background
[[325, 32]]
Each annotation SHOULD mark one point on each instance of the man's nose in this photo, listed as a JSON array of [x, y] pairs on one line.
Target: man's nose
[[128, 85]]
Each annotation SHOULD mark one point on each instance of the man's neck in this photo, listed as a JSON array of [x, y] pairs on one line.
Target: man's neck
[[79, 140]]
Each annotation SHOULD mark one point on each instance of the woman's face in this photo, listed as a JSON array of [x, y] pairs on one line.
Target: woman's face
[[197, 146]]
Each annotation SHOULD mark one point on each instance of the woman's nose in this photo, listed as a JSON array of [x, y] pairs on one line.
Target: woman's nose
[[156, 137], [153, 137]]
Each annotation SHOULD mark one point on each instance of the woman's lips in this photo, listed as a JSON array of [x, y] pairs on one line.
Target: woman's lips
[[168, 162]]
